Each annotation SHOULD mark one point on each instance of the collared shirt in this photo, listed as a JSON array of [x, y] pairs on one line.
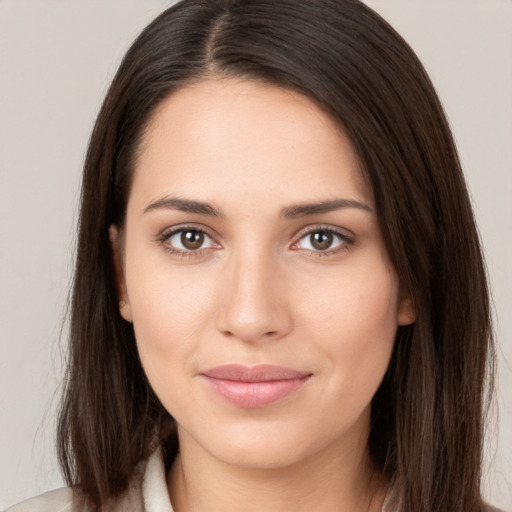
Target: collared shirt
[[146, 494]]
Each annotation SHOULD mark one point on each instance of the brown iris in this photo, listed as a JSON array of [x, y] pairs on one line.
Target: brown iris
[[192, 239], [321, 240]]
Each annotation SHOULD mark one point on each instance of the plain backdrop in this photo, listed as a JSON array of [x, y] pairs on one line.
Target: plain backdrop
[[56, 61]]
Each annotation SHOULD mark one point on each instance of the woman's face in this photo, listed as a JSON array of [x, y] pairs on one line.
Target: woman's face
[[251, 239]]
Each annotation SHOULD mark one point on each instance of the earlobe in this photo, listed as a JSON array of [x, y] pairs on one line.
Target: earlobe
[[124, 305], [125, 310], [407, 310]]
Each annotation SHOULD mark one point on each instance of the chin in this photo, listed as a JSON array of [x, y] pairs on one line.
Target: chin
[[262, 448], [259, 457]]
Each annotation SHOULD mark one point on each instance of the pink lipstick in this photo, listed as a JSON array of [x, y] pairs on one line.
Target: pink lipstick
[[256, 386]]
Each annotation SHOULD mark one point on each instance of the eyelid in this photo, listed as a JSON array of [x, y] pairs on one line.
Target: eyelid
[[168, 232], [312, 228], [182, 227], [346, 235]]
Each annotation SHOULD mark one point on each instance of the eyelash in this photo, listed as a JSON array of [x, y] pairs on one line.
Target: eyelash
[[346, 241], [163, 239]]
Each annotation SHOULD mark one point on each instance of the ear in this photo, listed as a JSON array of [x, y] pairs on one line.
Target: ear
[[115, 245], [406, 308]]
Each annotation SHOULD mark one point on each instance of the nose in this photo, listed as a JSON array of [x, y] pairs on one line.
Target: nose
[[254, 303]]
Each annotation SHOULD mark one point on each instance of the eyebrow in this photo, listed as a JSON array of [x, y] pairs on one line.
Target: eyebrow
[[290, 212], [184, 205], [302, 210]]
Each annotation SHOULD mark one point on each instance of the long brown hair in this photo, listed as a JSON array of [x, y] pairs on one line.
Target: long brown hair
[[427, 416]]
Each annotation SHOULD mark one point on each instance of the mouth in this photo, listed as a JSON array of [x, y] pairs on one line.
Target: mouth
[[256, 386]]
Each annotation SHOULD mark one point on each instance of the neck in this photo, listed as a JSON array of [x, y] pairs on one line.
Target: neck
[[340, 478]]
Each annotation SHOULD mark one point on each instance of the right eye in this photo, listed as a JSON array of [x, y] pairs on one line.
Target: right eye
[[187, 240]]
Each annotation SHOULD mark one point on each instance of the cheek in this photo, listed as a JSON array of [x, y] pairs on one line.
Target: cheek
[[351, 300], [354, 320], [170, 307]]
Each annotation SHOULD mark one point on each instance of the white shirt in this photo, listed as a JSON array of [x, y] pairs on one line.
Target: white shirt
[[150, 495], [146, 494]]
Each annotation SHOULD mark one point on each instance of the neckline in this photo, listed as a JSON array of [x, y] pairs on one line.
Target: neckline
[[155, 494]]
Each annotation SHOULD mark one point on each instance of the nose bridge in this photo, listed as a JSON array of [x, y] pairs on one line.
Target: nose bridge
[[254, 305]]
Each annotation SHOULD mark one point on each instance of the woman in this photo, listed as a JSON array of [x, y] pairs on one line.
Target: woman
[[279, 300]]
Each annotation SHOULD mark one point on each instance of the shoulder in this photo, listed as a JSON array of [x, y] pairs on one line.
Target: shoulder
[[132, 500], [65, 500], [493, 509], [60, 500]]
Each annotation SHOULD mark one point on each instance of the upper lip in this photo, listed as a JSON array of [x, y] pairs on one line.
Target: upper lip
[[259, 373]]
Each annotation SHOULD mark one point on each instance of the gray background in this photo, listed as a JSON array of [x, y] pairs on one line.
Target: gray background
[[56, 61]]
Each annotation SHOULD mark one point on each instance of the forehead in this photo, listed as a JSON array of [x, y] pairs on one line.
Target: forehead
[[221, 135]]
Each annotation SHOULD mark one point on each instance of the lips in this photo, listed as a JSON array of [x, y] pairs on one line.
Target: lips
[[256, 386]]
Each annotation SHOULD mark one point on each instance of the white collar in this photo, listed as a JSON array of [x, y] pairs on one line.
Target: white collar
[[154, 485]]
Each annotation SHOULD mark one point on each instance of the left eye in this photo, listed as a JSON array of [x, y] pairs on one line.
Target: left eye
[[321, 240], [189, 240]]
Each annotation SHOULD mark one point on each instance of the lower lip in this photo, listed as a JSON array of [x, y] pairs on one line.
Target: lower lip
[[252, 395]]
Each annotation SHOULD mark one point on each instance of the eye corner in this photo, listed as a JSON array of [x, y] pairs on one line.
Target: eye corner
[[164, 239], [344, 241]]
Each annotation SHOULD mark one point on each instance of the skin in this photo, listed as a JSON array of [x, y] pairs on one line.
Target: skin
[[259, 291]]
